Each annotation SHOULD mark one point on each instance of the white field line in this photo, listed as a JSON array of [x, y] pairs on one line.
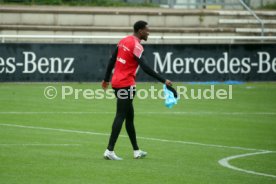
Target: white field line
[[171, 112], [200, 144], [225, 163], [54, 145], [143, 138], [54, 129]]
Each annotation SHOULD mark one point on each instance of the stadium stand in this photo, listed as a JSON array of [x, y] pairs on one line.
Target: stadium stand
[[60, 20]]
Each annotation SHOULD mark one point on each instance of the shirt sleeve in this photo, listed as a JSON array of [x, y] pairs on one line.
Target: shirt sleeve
[[138, 50], [110, 66], [148, 70]]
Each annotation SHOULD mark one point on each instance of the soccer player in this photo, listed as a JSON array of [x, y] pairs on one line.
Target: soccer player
[[125, 60]]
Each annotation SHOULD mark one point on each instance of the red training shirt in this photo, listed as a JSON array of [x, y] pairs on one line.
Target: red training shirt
[[126, 66]]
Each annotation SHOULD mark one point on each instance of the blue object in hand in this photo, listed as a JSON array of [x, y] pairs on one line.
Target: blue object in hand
[[170, 97]]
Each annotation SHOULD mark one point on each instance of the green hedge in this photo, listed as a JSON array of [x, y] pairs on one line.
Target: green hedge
[[270, 7]]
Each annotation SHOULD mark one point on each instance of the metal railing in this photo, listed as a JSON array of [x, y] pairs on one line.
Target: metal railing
[[203, 4], [254, 14]]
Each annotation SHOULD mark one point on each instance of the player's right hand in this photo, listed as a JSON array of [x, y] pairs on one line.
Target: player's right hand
[[105, 84], [168, 82]]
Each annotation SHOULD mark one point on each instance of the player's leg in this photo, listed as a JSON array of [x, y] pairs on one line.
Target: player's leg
[[121, 112], [130, 126], [116, 128], [131, 130]]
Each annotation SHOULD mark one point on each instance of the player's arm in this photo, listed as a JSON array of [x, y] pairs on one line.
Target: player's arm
[[109, 69], [150, 71]]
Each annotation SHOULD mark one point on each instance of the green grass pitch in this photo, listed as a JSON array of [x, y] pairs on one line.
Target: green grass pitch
[[61, 141]]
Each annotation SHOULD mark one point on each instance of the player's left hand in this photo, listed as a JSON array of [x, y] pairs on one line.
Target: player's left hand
[[105, 84]]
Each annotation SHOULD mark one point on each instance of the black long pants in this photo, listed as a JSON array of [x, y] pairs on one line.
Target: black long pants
[[124, 112]]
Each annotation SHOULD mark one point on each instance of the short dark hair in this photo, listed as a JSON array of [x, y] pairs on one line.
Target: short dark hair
[[139, 25]]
